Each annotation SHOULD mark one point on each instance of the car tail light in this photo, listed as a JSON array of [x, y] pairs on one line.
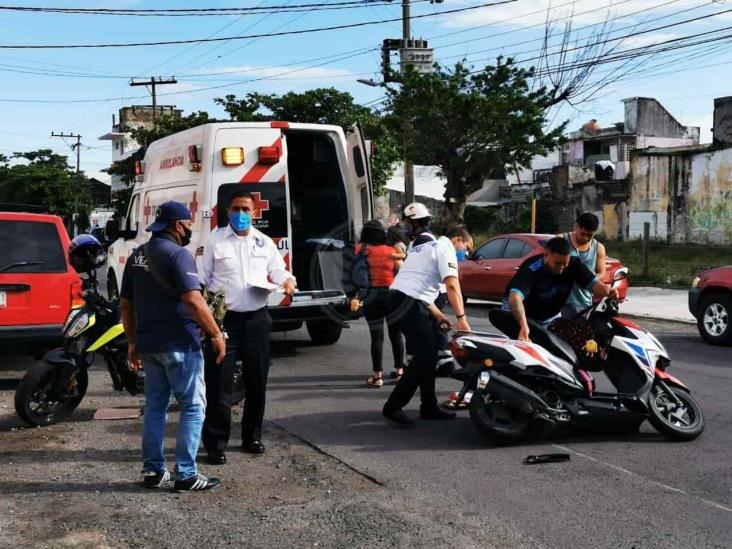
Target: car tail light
[[77, 298], [232, 156], [269, 155]]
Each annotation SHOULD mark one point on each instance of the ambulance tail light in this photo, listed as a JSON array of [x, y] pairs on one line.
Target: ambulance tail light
[[232, 156], [139, 169], [194, 158], [269, 155]]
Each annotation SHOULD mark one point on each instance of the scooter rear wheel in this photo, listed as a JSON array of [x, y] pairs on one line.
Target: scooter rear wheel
[[685, 422], [495, 419]]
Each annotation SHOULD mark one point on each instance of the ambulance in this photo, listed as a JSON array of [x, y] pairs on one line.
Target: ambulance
[[312, 189]]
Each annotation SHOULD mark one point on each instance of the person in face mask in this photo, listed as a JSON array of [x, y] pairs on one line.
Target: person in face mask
[[241, 260], [162, 309]]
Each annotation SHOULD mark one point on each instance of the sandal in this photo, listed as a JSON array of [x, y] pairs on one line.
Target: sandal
[[396, 375], [374, 381]]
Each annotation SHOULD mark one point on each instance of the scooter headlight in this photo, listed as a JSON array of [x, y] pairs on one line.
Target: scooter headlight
[[76, 324]]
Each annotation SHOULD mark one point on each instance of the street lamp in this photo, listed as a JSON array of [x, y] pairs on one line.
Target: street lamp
[[369, 82]]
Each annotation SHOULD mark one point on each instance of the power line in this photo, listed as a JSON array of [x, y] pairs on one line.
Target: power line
[[561, 33], [193, 12], [228, 85], [246, 37]]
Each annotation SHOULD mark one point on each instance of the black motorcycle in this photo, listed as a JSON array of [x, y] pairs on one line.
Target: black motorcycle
[[52, 388]]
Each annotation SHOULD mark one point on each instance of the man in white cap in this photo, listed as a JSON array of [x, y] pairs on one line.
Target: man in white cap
[[429, 263]]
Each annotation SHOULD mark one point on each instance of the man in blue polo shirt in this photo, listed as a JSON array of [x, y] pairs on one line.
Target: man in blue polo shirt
[[543, 282], [162, 308]]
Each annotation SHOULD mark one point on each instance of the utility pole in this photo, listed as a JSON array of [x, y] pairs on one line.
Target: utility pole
[[76, 146], [153, 82], [408, 166]]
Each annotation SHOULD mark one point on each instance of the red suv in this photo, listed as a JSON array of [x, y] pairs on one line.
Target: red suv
[[710, 301], [38, 287]]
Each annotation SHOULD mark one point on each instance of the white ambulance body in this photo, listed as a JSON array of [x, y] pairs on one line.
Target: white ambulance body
[[312, 190]]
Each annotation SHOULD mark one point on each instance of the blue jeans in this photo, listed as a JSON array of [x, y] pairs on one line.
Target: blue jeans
[[180, 374]]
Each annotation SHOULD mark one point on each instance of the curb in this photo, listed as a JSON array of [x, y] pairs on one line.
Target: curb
[[659, 319]]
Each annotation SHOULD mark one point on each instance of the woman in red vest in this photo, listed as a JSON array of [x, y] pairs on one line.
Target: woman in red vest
[[383, 261]]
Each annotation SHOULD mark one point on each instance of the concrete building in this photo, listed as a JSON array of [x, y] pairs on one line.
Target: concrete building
[[122, 143], [606, 151]]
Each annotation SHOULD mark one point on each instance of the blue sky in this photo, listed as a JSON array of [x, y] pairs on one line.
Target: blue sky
[[685, 81]]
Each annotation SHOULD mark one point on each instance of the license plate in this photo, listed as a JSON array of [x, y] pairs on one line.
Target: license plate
[[3, 300]]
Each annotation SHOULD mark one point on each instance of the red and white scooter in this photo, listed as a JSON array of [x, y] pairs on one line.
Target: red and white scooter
[[516, 388]]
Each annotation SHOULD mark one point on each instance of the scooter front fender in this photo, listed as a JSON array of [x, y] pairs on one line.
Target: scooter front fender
[[59, 358], [668, 378]]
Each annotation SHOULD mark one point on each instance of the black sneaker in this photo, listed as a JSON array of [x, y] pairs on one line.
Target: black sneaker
[[155, 480], [196, 483]]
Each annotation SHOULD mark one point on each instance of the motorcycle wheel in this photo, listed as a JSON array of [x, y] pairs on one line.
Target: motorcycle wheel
[[681, 423], [35, 402], [497, 420]]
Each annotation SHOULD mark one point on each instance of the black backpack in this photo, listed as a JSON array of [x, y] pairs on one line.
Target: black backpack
[[356, 271]]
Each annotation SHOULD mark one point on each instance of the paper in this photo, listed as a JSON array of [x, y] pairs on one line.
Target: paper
[[269, 286]]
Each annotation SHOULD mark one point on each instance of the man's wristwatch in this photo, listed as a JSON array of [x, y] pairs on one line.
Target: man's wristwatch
[[460, 316]]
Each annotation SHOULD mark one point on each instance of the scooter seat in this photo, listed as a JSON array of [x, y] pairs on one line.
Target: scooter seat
[[504, 321]]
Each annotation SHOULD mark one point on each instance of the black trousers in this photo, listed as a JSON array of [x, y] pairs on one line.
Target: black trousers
[[249, 340], [376, 311], [413, 319]]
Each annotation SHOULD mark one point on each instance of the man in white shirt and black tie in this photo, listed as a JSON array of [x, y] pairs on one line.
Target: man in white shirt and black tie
[[241, 260]]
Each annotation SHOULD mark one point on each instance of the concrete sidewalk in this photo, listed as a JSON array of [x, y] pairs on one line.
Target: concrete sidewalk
[[657, 303]]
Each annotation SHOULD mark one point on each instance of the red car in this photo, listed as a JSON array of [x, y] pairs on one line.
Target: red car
[[38, 287], [490, 268], [710, 301]]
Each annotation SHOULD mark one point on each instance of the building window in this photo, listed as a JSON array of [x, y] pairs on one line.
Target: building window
[[116, 145]]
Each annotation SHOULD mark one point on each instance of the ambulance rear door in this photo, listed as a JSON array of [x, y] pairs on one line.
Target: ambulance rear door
[[254, 159], [359, 178]]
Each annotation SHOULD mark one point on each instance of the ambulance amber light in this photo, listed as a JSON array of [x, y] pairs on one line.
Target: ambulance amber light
[[269, 155], [232, 156]]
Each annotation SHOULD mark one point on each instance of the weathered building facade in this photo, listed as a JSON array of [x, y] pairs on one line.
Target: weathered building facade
[[685, 192]]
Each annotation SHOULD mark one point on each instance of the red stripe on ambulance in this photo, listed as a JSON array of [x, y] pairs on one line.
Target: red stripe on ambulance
[[258, 171]]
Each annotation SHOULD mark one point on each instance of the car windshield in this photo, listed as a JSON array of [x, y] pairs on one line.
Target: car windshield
[[30, 247]]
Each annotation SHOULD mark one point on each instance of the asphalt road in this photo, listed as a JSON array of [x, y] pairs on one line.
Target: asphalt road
[[618, 491]]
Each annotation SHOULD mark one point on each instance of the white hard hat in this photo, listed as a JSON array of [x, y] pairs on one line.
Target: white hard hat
[[416, 210]]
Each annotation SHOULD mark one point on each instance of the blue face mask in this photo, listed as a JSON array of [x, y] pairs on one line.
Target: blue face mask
[[240, 221], [461, 254]]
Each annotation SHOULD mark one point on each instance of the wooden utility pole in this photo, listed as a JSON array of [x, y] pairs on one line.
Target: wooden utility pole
[[533, 215], [153, 82], [77, 147]]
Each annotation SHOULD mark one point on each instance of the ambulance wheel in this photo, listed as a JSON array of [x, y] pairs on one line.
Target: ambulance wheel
[[324, 331]]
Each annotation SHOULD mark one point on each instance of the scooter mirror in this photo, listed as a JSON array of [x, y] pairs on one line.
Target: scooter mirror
[[621, 274]]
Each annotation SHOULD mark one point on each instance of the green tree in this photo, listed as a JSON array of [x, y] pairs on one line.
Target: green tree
[[474, 125], [321, 106], [43, 178]]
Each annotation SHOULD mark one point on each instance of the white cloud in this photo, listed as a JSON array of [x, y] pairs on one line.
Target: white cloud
[[248, 72], [644, 40]]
